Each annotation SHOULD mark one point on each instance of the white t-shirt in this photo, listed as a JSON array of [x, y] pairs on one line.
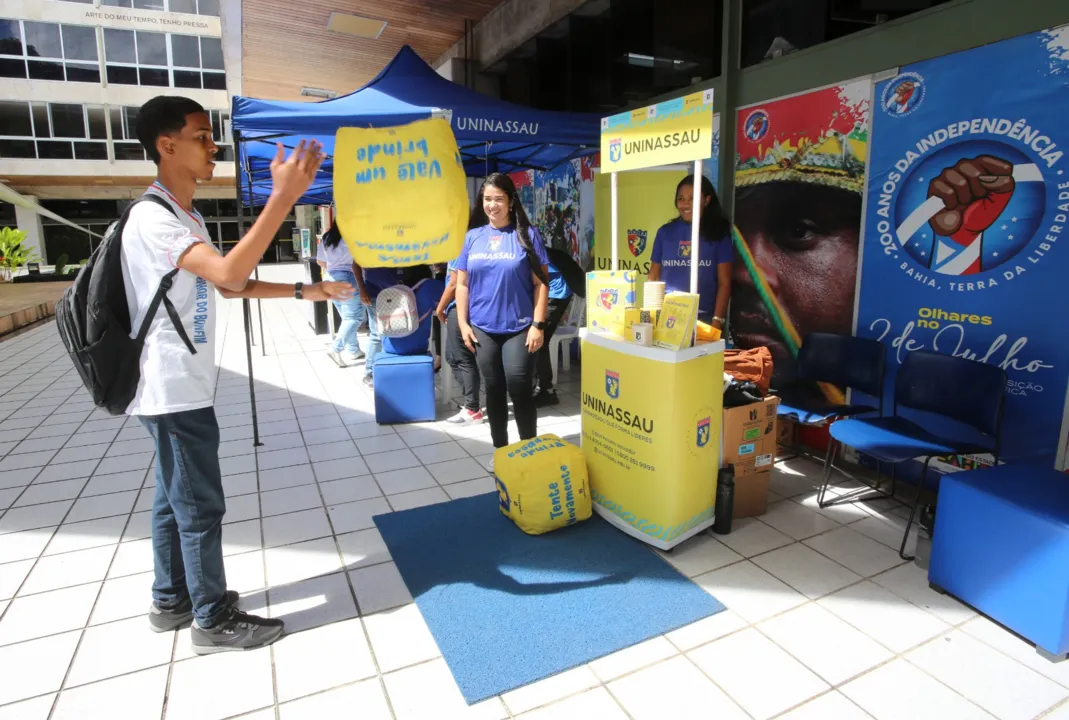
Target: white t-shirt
[[172, 378], [336, 258]]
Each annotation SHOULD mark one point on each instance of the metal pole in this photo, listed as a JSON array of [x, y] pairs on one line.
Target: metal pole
[[244, 302], [246, 311], [695, 226], [615, 224], [695, 229], [256, 276]]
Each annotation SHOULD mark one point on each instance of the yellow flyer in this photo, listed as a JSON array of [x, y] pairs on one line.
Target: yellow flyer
[[674, 131], [651, 436], [675, 323], [400, 193]]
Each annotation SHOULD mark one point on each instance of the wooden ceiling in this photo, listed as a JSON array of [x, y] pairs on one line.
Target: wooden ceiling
[[286, 44]]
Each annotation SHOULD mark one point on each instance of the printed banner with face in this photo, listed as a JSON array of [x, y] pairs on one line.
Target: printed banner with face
[[968, 202], [799, 177], [400, 193]]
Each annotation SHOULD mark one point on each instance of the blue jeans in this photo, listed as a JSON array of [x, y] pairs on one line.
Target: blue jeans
[[187, 514], [352, 311], [374, 343]]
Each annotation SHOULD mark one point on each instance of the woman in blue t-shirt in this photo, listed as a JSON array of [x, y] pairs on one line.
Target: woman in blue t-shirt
[[502, 299], [670, 261]]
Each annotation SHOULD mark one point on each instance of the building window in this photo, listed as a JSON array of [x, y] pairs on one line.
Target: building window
[[164, 60], [47, 51], [55, 131], [194, 58]]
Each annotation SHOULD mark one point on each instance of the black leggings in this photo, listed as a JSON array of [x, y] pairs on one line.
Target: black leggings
[[462, 361], [508, 369]]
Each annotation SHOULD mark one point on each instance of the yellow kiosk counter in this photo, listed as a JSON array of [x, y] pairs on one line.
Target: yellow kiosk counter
[[651, 435]]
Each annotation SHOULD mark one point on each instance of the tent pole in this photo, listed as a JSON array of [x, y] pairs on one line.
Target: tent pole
[[256, 276], [246, 312], [695, 229]]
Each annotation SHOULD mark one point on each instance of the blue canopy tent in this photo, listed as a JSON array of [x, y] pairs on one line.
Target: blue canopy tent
[[493, 136]]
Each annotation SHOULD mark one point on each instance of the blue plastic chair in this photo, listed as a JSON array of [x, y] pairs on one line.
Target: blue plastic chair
[[843, 361], [970, 393]]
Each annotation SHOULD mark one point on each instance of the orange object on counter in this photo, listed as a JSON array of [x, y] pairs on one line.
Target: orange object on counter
[[708, 333]]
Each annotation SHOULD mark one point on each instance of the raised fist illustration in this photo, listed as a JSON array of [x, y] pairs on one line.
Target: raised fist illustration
[[974, 192]]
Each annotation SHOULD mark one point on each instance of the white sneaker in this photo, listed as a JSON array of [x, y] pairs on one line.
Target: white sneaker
[[466, 417], [490, 465], [337, 358], [353, 357]]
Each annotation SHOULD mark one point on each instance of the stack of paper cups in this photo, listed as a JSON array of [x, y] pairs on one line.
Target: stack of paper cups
[[653, 295], [642, 334]]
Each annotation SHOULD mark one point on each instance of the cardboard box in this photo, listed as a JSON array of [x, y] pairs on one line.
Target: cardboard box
[[749, 438], [785, 431]]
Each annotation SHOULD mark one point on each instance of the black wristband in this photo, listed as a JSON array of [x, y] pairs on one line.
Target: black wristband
[[297, 290]]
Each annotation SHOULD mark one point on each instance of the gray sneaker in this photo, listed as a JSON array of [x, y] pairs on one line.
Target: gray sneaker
[[164, 620], [236, 631], [352, 358]]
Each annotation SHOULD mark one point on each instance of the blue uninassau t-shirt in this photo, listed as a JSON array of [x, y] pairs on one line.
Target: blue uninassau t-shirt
[[671, 249], [500, 286], [558, 288]]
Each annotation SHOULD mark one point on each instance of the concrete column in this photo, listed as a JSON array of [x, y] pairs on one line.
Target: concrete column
[[30, 222]]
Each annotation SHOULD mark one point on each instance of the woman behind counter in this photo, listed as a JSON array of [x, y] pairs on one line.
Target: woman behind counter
[[670, 261]]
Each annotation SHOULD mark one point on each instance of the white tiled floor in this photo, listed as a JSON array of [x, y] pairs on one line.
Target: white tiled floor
[[823, 622]]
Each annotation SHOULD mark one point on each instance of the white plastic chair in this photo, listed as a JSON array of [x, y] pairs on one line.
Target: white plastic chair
[[567, 331]]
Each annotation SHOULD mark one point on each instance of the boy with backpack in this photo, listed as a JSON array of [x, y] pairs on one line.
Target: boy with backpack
[[167, 257]]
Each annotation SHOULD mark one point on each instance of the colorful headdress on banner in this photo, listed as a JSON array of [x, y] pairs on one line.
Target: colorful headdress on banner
[[818, 138]]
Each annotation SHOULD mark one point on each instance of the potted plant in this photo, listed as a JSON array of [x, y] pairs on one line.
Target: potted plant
[[12, 252]]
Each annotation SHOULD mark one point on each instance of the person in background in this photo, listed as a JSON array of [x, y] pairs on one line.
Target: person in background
[[457, 355], [560, 299], [670, 261], [375, 281], [502, 298], [439, 271], [333, 256]]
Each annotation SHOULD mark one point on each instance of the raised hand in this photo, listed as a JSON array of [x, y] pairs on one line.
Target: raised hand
[[291, 177]]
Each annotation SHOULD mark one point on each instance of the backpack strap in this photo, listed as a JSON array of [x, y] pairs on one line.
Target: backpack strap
[[154, 306], [161, 292]]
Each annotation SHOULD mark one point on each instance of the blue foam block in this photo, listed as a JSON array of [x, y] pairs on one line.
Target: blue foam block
[[404, 388], [508, 609]]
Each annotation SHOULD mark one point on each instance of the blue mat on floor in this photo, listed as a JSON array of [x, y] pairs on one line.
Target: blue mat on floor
[[507, 609]]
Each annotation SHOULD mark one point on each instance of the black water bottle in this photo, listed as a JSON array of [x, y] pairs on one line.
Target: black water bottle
[[725, 500]]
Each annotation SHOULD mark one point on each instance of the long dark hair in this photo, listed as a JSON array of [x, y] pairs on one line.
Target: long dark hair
[[332, 237], [712, 222], [517, 216]]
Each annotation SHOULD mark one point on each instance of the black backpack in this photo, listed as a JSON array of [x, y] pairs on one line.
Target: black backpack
[[94, 321], [573, 274]]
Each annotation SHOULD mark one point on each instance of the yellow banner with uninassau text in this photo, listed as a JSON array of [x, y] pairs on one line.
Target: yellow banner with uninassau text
[[675, 131]]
